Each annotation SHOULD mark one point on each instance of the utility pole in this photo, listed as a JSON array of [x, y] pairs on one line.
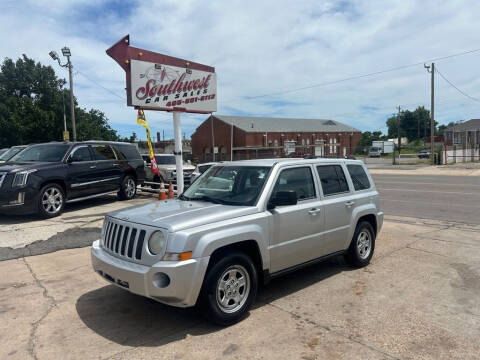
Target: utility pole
[[213, 140], [64, 115], [66, 52], [431, 70], [399, 136], [231, 142]]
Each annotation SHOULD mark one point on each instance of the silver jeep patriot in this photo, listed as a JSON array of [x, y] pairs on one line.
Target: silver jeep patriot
[[238, 225]]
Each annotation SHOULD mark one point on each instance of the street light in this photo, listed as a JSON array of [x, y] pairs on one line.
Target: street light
[[66, 52]]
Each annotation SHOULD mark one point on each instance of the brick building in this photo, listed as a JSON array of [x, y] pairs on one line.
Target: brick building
[[259, 137]]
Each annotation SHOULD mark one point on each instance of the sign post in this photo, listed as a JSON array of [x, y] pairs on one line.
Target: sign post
[[165, 83], [177, 131]]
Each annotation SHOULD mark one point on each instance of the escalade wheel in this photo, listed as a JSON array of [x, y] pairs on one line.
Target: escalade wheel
[[51, 201], [362, 246], [229, 289], [128, 188]]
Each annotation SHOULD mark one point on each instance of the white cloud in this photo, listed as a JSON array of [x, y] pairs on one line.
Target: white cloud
[[261, 47]]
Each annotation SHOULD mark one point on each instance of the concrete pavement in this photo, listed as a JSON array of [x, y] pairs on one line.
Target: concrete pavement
[[78, 226], [418, 299]]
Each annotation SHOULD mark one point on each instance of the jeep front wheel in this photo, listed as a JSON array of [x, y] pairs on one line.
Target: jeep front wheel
[[229, 289]]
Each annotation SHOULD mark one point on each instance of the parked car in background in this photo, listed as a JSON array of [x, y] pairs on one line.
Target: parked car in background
[[44, 177], [7, 155], [238, 225], [424, 154], [167, 169], [200, 169], [375, 151]]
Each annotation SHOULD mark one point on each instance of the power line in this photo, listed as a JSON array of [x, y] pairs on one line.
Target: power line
[[455, 87], [354, 77], [103, 87]]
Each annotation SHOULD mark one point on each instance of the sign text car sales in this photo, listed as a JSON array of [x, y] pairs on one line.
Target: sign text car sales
[[166, 86]]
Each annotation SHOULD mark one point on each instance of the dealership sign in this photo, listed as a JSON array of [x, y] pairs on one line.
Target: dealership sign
[[166, 87], [156, 81]]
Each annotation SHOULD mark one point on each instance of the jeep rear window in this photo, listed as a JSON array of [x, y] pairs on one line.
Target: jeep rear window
[[359, 177]]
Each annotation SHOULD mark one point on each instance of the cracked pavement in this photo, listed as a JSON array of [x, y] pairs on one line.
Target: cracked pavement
[[418, 299], [78, 226]]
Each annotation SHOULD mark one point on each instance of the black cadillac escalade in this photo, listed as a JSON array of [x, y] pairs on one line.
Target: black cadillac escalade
[[44, 177]]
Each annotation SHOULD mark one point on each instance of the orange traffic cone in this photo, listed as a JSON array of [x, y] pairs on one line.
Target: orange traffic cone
[[171, 195], [162, 195]]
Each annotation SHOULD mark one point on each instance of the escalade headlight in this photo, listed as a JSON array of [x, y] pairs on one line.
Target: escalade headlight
[[156, 243], [21, 178]]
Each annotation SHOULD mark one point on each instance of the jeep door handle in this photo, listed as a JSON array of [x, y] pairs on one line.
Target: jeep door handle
[[115, 164], [314, 211], [93, 166], [349, 203]]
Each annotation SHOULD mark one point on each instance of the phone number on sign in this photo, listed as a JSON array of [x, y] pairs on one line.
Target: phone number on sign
[[190, 100]]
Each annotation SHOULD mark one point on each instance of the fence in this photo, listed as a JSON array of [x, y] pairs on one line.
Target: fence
[[333, 150], [458, 154]]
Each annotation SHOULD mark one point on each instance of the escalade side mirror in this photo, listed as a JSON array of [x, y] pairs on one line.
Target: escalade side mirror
[[282, 198]]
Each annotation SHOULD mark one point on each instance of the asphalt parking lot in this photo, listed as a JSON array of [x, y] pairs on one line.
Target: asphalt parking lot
[[418, 299]]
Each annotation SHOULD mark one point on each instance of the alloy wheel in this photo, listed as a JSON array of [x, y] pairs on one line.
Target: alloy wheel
[[130, 187], [52, 200], [364, 244]]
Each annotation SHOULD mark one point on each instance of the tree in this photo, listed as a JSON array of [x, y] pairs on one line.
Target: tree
[[31, 107], [133, 137], [414, 125], [442, 128]]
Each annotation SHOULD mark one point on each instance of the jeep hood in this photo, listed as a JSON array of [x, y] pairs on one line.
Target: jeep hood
[[176, 215]]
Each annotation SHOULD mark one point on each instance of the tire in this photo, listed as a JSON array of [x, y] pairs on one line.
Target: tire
[[220, 308], [128, 189], [51, 201], [362, 246]]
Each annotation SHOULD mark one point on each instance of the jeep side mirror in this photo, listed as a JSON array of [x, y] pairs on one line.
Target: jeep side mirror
[[282, 198], [70, 159]]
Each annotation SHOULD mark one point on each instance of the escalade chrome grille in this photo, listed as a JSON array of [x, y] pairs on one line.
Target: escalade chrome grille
[[124, 239]]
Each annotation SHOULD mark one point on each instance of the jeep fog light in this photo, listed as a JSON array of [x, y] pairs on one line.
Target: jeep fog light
[[156, 243]]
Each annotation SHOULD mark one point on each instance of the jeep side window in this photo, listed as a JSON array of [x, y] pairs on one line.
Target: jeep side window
[[298, 179], [332, 179], [359, 177]]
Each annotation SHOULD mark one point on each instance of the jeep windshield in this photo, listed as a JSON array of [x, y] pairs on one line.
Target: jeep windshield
[[230, 185], [43, 152]]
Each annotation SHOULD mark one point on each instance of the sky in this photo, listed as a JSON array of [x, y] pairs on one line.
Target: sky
[[272, 58]]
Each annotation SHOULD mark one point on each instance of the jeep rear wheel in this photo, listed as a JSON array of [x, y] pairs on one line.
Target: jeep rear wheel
[[362, 246], [229, 289]]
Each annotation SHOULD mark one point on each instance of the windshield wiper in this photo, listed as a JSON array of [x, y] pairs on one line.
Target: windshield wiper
[[183, 197], [209, 199]]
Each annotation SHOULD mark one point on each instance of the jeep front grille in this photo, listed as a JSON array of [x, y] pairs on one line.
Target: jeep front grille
[[124, 239]]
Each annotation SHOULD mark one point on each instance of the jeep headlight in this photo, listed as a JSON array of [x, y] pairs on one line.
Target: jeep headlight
[[21, 178], [156, 243]]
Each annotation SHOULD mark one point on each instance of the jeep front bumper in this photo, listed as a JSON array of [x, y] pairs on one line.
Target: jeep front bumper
[[175, 283]]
